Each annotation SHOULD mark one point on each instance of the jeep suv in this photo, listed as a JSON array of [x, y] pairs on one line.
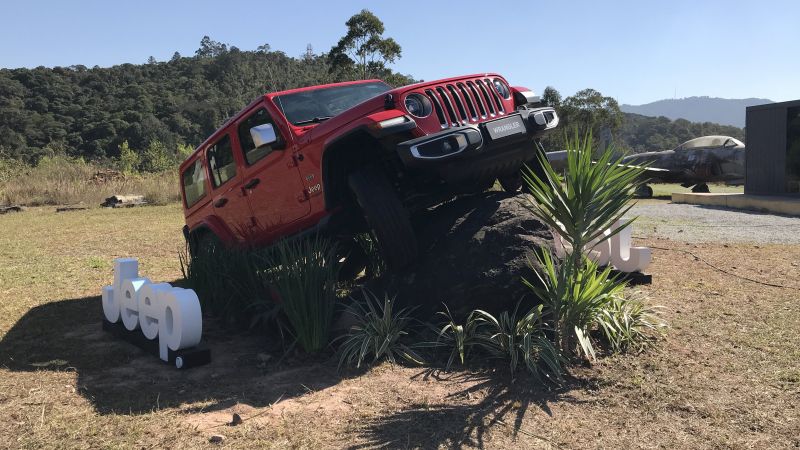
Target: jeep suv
[[358, 156]]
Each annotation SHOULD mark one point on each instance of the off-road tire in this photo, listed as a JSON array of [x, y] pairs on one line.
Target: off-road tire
[[204, 244], [511, 183], [644, 191], [701, 188], [386, 217]]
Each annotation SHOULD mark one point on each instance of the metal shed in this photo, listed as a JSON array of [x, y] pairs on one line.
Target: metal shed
[[772, 158]]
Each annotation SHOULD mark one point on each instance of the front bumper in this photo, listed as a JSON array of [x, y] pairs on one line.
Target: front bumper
[[494, 148]]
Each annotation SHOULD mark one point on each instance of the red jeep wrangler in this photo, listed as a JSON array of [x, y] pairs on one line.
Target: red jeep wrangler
[[358, 156]]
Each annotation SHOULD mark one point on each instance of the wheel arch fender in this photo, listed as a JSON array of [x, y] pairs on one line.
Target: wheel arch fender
[[344, 151], [211, 224]]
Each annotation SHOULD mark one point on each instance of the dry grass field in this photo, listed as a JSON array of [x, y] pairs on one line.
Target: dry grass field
[[726, 374]]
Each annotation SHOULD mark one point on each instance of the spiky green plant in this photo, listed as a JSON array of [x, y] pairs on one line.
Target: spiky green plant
[[629, 324], [573, 298], [304, 274], [378, 332], [590, 197], [460, 339], [507, 336], [516, 338], [231, 283]]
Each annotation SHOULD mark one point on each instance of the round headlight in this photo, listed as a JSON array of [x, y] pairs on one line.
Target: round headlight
[[502, 89], [417, 105]]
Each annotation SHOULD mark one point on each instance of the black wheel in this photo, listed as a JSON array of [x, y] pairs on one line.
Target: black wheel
[[386, 217], [511, 183], [701, 188], [644, 191], [204, 244]]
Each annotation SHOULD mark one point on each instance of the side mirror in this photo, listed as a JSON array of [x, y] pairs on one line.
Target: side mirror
[[263, 135]]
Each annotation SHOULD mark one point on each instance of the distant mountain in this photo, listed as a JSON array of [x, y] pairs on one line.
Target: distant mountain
[[725, 111]]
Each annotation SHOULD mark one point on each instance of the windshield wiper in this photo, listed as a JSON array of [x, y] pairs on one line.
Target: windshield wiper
[[314, 120]]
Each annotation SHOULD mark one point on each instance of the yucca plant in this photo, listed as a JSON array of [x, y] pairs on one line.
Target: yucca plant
[[460, 339], [574, 297], [519, 338], [629, 324], [590, 197], [304, 274], [230, 283], [507, 337], [378, 332]]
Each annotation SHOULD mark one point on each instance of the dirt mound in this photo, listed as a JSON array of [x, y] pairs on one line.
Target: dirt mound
[[474, 252]]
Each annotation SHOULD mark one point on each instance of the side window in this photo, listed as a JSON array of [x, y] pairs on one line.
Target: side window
[[194, 183], [221, 162], [251, 153]]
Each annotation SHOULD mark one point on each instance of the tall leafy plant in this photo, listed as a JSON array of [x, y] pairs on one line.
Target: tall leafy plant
[[379, 331], [580, 206], [304, 273], [588, 199]]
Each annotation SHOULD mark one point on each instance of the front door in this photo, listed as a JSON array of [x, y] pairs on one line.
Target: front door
[[227, 196], [271, 179]]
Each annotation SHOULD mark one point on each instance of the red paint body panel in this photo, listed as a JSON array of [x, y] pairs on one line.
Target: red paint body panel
[[288, 198]]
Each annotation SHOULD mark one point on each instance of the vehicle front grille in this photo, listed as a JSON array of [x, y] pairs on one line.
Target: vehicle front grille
[[460, 103]]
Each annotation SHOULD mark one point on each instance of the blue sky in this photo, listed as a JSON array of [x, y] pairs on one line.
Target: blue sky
[[635, 51]]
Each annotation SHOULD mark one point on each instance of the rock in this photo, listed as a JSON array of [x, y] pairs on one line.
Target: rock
[[123, 201], [236, 420], [474, 252], [216, 439], [11, 208]]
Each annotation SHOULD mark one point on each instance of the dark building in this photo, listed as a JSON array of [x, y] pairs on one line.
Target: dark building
[[772, 161]]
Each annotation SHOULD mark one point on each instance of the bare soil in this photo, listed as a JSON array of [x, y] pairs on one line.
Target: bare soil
[[725, 375]]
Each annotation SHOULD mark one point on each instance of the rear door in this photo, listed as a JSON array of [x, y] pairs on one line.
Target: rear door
[[271, 179], [227, 196]]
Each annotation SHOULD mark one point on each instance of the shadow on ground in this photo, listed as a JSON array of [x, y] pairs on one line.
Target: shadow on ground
[[487, 400], [118, 377]]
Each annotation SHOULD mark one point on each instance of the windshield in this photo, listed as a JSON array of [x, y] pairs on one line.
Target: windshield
[[319, 104]]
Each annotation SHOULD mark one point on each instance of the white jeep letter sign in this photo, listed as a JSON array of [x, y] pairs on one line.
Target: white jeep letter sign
[[159, 310], [616, 251]]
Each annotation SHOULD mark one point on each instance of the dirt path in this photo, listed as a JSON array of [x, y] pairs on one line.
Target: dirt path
[[694, 223]]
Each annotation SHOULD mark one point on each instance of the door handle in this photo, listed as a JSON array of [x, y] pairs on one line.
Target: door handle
[[220, 203], [252, 183]]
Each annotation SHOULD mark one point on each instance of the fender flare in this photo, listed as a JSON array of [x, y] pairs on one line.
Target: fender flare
[[211, 224]]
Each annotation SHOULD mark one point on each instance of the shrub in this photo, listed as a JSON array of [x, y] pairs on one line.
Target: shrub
[[579, 297], [628, 324], [375, 264], [304, 273], [232, 284], [508, 337], [573, 298], [379, 331], [156, 158], [128, 158]]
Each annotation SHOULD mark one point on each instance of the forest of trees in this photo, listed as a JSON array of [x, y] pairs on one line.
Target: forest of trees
[[91, 112], [145, 116]]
